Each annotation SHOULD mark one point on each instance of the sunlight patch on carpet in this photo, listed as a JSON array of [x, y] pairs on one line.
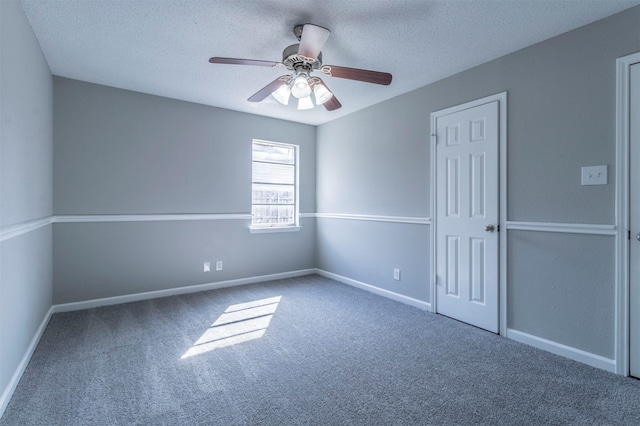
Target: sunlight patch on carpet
[[238, 324]]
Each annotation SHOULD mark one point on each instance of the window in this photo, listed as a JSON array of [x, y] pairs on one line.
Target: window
[[274, 187]]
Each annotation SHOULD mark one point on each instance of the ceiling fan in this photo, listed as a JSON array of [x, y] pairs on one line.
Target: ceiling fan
[[302, 59]]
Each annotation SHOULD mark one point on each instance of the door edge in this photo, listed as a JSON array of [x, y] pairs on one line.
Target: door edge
[[622, 284]]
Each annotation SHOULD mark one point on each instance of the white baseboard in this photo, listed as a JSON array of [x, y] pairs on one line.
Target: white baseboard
[[579, 355], [17, 375], [379, 291], [116, 300]]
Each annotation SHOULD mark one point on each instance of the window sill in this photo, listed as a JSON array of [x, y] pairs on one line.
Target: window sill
[[264, 230]]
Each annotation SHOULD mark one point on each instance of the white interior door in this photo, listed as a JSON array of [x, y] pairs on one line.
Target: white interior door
[[634, 217], [467, 206]]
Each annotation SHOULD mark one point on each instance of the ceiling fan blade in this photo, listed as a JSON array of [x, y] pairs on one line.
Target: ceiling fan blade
[[267, 90], [312, 40], [367, 76], [332, 104], [234, 61]]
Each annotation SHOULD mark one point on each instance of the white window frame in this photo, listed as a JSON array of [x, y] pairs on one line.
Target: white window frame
[[295, 226]]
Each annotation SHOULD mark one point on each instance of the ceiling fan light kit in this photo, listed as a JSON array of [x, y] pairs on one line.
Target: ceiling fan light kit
[[305, 103], [321, 93], [302, 59], [301, 88], [282, 93]]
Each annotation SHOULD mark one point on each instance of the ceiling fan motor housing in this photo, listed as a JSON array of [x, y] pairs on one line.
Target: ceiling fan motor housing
[[295, 62]]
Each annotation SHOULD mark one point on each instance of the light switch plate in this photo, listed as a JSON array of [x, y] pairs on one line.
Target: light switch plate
[[594, 175]]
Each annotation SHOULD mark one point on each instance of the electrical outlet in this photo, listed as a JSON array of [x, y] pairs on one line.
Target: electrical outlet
[[594, 175], [207, 266], [396, 274], [219, 265]]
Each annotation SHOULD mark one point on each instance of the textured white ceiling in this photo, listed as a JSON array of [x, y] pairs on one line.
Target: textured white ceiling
[[162, 47]]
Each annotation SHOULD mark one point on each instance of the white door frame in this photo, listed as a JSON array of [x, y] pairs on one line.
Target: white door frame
[[502, 154], [623, 66]]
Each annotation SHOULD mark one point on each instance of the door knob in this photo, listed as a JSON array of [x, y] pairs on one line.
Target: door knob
[[491, 228], [638, 236]]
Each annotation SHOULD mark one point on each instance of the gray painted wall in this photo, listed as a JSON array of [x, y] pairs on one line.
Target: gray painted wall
[[26, 122], [25, 295], [561, 110], [96, 260], [121, 152], [350, 252], [561, 288], [25, 186]]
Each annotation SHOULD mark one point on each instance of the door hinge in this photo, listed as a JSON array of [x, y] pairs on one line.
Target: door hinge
[[498, 228], [629, 235]]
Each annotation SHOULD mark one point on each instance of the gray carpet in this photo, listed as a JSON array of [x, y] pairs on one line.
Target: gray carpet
[[330, 354]]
